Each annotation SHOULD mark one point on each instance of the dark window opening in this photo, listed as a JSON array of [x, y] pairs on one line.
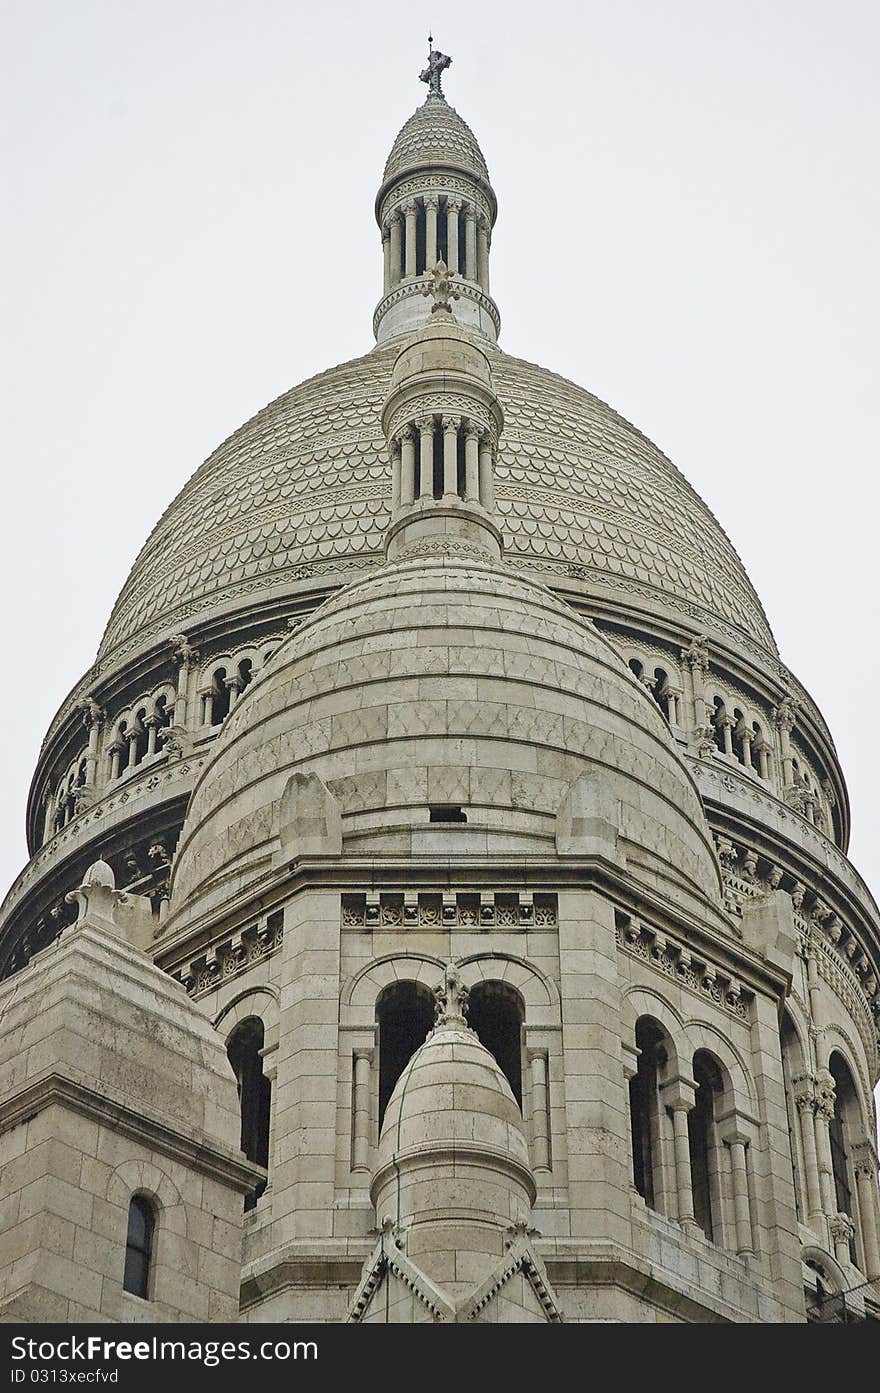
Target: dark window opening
[[254, 1094], [245, 674], [220, 697], [701, 1139], [462, 243], [405, 1013], [421, 242], [142, 738], [717, 718], [837, 1131], [644, 1109], [442, 243], [495, 1012], [125, 751], [139, 1247], [438, 461], [443, 813]]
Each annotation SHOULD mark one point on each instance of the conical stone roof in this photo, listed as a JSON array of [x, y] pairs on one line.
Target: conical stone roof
[[435, 134]]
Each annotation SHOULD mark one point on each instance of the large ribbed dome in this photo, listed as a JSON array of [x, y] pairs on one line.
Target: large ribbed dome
[[435, 134], [302, 493]]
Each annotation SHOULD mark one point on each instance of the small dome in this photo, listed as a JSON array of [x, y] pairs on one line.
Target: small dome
[[435, 135], [452, 1094]]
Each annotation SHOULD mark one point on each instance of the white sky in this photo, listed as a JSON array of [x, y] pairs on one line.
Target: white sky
[[688, 211]]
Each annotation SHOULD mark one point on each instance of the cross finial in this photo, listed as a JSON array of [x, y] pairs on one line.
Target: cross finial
[[451, 997], [437, 63], [441, 287]]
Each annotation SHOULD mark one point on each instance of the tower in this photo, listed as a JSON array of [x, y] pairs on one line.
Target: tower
[[438, 675]]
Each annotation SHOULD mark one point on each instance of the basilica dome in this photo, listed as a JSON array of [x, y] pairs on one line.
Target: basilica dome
[[301, 495], [435, 134], [444, 691]]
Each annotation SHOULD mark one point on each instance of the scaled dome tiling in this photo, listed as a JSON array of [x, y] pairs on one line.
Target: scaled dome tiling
[[302, 492], [435, 134]]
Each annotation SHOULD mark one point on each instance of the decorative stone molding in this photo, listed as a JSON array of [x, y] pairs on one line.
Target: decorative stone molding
[[230, 955], [467, 289], [677, 961], [424, 909]]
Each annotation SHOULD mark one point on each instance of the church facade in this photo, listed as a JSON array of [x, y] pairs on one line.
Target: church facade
[[438, 907]]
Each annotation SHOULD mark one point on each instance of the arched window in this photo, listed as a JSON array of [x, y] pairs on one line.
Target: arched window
[[221, 697], [718, 719], [163, 716], [644, 1110], [705, 1161], [245, 674], [840, 1131], [142, 737], [405, 1014], [636, 668], [792, 1068], [139, 1246], [496, 1012], [123, 747], [243, 1049]]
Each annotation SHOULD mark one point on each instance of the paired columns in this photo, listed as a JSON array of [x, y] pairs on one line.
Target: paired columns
[[401, 256], [411, 452]]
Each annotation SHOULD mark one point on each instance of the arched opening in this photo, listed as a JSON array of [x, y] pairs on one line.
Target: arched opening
[[644, 1109], [163, 715], [421, 237], [141, 739], [792, 1067], [437, 467], [405, 1015], [718, 717], [842, 1127], [245, 674], [660, 690], [244, 1050], [636, 668], [703, 1143], [139, 1247], [496, 1013], [124, 747], [442, 242], [220, 697]]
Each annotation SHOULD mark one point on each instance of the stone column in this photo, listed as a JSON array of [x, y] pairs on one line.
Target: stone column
[[763, 751], [472, 463], [48, 814], [825, 1095], [452, 208], [360, 1110], [115, 752], [397, 486], [93, 719], [395, 246], [865, 1166], [678, 1097], [784, 719], [540, 1110], [595, 1105], [152, 724], [304, 1180], [470, 242], [726, 723], [842, 1229], [207, 698], [407, 466], [386, 257], [805, 1101], [432, 205], [745, 740], [740, 1177], [426, 456], [487, 482], [234, 687], [187, 657], [630, 1069], [483, 253], [132, 738], [673, 696], [450, 456], [409, 212]]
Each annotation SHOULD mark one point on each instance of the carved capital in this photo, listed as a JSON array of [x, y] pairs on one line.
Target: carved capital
[[842, 1228], [696, 655], [425, 425], [785, 714], [92, 713], [804, 1092], [825, 1095], [453, 205]]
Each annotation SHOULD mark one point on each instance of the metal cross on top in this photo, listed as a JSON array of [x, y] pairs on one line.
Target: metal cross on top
[[437, 62]]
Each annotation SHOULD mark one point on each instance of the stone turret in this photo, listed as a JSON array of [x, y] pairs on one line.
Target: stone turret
[[452, 1169], [435, 203], [442, 422]]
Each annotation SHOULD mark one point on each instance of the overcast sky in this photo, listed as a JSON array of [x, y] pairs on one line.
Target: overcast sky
[[688, 219]]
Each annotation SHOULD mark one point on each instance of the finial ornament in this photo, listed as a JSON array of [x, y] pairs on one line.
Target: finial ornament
[[437, 63], [441, 288], [451, 997]]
